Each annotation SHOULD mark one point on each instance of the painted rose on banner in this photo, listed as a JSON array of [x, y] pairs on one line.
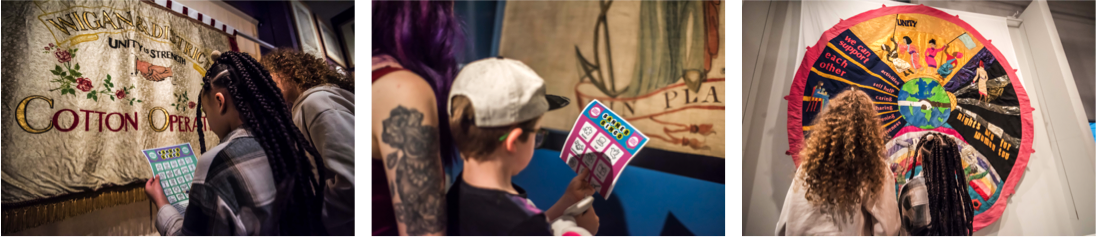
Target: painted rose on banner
[[65, 77], [927, 71]]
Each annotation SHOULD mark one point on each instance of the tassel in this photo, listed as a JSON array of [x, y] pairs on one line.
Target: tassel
[[34, 215], [50, 211]]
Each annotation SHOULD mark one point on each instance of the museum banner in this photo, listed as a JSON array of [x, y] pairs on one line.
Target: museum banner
[[88, 84], [659, 64], [928, 71]]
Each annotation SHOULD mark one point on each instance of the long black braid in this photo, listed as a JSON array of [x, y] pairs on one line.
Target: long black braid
[[950, 206], [265, 114]]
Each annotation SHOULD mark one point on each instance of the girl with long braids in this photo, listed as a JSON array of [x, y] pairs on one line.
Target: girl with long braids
[[843, 186], [935, 201], [258, 180]]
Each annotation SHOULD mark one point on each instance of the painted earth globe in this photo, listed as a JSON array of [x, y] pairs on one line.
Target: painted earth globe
[[924, 103]]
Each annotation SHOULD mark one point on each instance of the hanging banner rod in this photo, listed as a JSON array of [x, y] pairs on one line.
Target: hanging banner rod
[[252, 38], [184, 10]]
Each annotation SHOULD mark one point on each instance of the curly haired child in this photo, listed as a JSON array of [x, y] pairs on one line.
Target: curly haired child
[[322, 107], [843, 186]]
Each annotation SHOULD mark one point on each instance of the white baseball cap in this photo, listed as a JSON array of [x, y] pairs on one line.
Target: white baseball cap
[[503, 91]]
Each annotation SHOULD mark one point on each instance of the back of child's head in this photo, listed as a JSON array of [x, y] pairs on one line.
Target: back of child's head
[[265, 115], [950, 207], [304, 69], [477, 142], [843, 156]]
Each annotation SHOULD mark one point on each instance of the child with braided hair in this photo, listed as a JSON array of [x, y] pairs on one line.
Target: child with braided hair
[[935, 201], [259, 179]]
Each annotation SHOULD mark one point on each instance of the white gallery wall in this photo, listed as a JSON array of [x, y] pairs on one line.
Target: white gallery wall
[[1056, 194], [1076, 25]]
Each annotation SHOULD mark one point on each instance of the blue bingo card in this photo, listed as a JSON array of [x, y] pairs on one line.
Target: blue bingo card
[[175, 165]]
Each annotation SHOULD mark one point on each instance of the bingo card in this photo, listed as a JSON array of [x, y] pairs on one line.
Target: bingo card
[[175, 165], [602, 142]]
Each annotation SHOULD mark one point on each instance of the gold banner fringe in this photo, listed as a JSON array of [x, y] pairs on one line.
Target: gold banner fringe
[[30, 216]]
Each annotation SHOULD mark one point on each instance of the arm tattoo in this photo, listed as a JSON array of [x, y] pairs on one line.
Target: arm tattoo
[[392, 189], [417, 170]]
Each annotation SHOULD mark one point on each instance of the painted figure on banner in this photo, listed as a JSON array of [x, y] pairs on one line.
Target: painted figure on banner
[[912, 51], [820, 98], [931, 51]]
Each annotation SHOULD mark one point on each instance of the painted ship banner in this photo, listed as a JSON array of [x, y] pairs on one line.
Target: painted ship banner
[[663, 74]]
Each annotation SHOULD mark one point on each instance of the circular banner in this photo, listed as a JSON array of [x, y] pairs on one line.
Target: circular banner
[[927, 71]]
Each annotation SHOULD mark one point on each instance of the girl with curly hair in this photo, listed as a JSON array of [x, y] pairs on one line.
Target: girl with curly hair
[[322, 107], [843, 186]]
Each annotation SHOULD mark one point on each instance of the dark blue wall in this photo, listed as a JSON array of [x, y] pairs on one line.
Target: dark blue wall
[[641, 203], [478, 18], [481, 26]]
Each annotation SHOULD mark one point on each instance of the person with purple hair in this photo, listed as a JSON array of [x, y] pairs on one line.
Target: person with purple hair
[[415, 44]]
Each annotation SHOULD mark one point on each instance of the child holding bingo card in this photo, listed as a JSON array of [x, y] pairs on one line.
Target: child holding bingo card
[[602, 142], [496, 105]]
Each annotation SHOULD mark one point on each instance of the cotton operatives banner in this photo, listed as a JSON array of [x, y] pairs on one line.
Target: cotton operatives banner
[[88, 84]]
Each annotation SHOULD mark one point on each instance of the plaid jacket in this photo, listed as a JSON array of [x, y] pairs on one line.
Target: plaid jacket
[[232, 193]]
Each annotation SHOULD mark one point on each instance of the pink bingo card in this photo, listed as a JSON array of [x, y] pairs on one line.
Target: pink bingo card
[[602, 142]]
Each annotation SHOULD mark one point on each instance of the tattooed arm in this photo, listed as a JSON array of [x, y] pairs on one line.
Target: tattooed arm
[[380, 61], [405, 126]]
